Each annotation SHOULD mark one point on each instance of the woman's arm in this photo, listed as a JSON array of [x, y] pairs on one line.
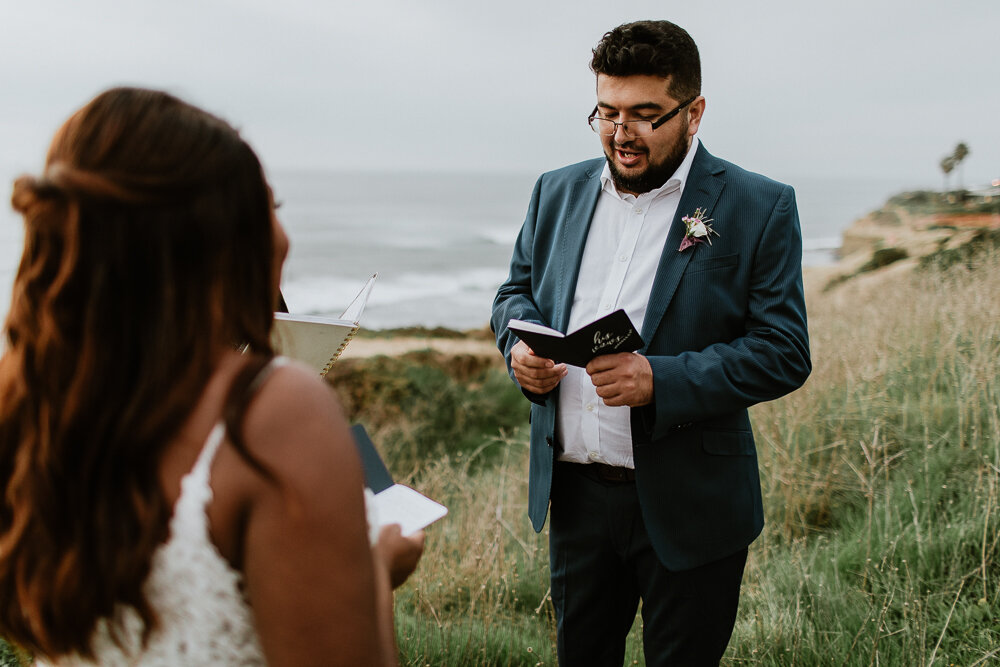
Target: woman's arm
[[320, 594]]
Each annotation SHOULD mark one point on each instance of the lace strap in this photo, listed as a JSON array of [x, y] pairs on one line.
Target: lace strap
[[198, 477], [208, 450]]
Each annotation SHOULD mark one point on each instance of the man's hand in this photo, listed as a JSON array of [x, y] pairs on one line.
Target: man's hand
[[622, 379], [535, 374]]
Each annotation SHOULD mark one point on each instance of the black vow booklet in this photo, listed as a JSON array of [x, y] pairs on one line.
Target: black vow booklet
[[611, 334]]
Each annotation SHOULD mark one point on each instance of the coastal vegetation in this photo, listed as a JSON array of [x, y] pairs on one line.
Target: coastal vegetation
[[881, 479]]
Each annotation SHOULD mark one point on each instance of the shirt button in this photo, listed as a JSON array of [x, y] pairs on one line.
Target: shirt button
[[592, 456], [590, 407], [638, 211], [606, 306], [623, 258]]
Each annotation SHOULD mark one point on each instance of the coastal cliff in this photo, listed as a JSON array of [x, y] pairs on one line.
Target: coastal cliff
[[913, 229]]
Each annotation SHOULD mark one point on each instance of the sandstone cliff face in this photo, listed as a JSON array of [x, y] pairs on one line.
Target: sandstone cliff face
[[913, 226]]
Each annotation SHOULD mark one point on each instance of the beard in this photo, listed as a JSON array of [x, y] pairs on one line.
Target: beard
[[654, 175]]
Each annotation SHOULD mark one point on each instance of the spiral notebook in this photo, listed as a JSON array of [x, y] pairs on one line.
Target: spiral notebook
[[319, 341]]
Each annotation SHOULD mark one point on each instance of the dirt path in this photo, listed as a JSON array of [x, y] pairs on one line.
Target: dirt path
[[360, 348]]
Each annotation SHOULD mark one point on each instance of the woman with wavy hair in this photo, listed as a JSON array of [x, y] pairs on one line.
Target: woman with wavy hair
[[166, 499]]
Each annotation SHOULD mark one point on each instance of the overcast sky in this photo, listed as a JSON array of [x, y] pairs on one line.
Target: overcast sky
[[876, 89]]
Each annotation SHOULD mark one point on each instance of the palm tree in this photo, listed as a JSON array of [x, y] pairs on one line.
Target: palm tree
[[958, 155], [947, 165]]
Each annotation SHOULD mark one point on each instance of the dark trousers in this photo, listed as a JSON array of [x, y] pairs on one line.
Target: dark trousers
[[602, 564]]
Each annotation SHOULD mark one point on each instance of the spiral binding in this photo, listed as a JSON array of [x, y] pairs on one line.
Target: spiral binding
[[336, 355]]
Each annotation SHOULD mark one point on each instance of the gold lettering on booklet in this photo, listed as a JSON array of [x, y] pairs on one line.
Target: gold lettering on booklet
[[608, 341]]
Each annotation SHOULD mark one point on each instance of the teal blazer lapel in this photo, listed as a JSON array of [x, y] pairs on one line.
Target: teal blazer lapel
[[704, 185], [575, 226]]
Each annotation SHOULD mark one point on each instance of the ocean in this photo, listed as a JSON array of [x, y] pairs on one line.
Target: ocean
[[440, 243]]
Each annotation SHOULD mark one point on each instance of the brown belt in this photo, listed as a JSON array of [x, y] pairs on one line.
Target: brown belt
[[602, 472]]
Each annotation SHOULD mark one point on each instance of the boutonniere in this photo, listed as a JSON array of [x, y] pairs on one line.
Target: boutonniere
[[697, 230]]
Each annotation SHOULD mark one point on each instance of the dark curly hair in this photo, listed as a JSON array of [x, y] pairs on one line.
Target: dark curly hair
[[660, 48]]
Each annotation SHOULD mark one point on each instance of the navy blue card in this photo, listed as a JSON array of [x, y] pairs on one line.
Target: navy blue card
[[377, 477]]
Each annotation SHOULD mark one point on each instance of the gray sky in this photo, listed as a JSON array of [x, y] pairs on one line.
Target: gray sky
[[877, 89]]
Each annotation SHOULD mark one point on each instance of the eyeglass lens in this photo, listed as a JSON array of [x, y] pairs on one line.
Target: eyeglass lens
[[633, 128]]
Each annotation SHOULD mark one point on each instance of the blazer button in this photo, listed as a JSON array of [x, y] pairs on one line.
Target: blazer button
[[548, 440]]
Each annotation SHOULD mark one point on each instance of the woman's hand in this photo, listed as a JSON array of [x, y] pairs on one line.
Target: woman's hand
[[399, 554]]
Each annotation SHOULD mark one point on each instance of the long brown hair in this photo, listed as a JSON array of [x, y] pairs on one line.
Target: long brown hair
[[147, 244]]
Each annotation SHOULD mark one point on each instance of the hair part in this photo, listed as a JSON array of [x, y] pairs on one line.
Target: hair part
[[148, 247], [658, 48]]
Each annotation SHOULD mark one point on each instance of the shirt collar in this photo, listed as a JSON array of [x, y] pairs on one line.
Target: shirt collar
[[675, 182]]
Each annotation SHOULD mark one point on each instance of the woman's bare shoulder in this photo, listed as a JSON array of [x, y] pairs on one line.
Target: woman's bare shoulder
[[294, 428], [296, 425]]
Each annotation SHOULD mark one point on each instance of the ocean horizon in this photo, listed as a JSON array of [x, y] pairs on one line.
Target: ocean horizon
[[440, 243]]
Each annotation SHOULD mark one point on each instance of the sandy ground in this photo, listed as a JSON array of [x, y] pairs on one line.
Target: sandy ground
[[361, 347]]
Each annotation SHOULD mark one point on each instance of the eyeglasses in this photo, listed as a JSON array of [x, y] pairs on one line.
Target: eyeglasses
[[632, 128]]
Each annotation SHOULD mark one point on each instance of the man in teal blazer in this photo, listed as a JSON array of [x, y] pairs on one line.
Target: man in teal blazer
[[667, 517]]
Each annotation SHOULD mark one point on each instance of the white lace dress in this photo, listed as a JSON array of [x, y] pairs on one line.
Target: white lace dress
[[205, 618]]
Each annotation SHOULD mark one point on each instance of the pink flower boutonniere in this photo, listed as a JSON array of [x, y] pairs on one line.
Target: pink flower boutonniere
[[697, 230]]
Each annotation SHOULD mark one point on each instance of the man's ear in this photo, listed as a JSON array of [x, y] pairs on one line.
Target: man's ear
[[695, 111]]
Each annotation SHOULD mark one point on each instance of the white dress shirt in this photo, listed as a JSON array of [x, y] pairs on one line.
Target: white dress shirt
[[619, 262]]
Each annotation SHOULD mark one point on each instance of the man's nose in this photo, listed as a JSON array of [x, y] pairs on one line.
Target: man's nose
[[621, 136]]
